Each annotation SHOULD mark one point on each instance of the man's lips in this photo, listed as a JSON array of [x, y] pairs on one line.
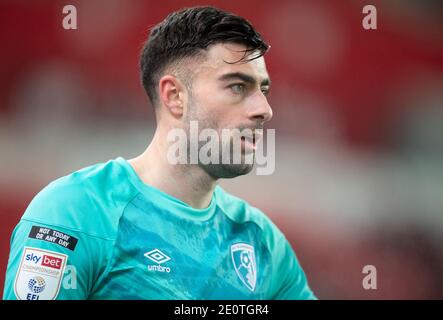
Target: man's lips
[[252, 140], [258, 136]]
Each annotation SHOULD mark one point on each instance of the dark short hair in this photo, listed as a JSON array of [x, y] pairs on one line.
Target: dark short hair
[[186, 33]]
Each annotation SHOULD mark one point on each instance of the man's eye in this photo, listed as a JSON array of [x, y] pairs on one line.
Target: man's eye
[[265, 92], [238, 88]]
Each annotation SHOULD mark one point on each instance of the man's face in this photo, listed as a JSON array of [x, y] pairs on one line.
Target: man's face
[[227, 94]]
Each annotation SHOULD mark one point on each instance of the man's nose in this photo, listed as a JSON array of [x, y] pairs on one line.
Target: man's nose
[[260, 109]]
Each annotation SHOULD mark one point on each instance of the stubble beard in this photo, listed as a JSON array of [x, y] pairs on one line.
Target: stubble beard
[[218, 170]]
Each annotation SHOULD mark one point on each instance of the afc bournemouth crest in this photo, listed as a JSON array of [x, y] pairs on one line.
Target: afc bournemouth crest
[[243, 258]]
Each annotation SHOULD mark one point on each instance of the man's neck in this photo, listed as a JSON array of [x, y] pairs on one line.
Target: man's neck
[[188, 183]]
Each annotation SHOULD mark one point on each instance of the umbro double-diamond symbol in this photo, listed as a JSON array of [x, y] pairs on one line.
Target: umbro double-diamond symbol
[[158, 257]]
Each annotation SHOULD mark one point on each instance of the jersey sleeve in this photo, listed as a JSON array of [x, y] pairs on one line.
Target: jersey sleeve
[[51, 262], [63, 245], [289, 279]]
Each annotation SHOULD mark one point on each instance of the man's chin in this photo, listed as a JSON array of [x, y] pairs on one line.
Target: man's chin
[[227, 171]]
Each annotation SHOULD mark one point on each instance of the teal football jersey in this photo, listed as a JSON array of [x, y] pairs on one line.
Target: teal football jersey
[[102, 233]]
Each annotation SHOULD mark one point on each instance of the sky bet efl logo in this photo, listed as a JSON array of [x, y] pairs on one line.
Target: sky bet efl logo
[[47, 261], [39, 275]]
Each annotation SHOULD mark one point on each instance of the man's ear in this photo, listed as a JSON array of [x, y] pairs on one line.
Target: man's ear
[[171, 94]]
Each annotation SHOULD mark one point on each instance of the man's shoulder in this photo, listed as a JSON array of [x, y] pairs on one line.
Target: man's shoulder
[[240, 211], [89, 200]]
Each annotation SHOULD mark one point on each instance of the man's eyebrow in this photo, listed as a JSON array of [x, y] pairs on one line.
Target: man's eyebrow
[[244, 77]]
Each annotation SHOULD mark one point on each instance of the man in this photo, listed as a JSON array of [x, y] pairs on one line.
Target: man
[[148, 228]]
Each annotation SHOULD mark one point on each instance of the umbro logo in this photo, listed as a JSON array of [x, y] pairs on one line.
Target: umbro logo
[[158, 257]]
